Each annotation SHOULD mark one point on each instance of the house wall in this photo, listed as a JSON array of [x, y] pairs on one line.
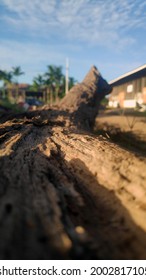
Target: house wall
[[144, 95], [129, 94]]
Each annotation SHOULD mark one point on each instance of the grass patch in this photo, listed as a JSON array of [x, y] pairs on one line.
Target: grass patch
[[13, 107]]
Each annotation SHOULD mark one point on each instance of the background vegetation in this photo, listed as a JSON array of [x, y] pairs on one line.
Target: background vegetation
[[50, 85]]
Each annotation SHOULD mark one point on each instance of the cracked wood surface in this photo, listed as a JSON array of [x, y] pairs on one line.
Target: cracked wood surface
[[66, 194]]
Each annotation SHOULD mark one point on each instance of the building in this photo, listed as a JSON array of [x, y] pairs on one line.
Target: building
[[129, 90], [16, 92]]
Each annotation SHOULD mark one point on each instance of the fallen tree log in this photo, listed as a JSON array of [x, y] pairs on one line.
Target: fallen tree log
[[83, 100], [66, 193]]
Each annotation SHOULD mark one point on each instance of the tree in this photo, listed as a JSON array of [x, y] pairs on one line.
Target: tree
[[16, 72], [38, 82], [55, 81], [2, 74], [6, 77], [50, 82], [39, 85], [72, 82], [58, 80]]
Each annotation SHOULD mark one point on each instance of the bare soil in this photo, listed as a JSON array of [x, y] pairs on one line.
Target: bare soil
[[127, 129]]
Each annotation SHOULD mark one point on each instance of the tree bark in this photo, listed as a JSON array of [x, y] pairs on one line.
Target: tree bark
[[66, 193], [83, 100]]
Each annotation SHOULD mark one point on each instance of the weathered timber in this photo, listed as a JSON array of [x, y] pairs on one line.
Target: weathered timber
[[83, 100], [66, 193]]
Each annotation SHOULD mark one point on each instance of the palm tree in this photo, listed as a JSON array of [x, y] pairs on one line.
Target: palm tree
[[16, 72], [55, 81], [39, 84], [6, 77], [58, 80], [72, 82], [2, 75], [50, 82], [62, 87]]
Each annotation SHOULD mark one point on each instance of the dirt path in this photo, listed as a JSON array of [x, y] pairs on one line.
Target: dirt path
[[123, 129], [136, 124], [66, 193]]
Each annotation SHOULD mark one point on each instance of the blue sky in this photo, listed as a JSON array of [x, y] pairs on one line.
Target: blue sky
[[110, 34]]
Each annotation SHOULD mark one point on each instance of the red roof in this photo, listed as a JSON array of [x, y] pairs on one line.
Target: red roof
[[23, 86]]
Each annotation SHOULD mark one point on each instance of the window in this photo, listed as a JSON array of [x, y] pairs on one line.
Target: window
[[130, 88]]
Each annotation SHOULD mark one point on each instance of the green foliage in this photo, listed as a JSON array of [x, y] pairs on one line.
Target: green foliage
[[51, 83], [104, 101], [14, 107], [38, 83], [6, 77], [72, 82], [16, 72]]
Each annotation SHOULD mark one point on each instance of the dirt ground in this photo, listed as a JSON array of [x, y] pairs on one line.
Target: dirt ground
[[136, 124], [126, 129]]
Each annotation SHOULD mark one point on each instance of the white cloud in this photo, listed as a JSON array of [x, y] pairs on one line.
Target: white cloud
[[94, 22], [108, 23]]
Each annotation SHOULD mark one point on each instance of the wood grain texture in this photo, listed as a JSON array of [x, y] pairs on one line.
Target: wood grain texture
[[65, 193]]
